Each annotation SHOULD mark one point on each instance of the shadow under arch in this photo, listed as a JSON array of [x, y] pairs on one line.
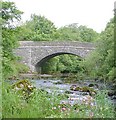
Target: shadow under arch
[[45, 59]]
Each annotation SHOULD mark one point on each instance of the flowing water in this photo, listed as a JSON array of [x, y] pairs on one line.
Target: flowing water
[[60, 87]]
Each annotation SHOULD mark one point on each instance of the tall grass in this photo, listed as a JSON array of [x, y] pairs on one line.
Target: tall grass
[[44, 105]]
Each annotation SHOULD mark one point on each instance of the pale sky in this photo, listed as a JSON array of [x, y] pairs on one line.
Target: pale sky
[[92, 13]]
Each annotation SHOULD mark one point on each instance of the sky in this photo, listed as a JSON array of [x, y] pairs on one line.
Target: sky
[[93, 13]]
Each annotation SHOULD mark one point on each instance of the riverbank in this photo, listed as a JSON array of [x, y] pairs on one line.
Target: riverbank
[[66, 78], [41, 104], [67, 95]]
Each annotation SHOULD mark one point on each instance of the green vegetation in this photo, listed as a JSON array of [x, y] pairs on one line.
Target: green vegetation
[[74, 32], [43, 105], [10, 64], [9, 38], [38, 28], [62, 64], [100, 64]]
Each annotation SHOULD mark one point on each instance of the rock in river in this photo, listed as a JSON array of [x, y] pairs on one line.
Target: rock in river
[[83, 89]]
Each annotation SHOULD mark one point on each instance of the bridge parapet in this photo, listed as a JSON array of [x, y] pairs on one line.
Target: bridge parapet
[[57, 43]]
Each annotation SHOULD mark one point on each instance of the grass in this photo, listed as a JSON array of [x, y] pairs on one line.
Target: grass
[[43, 105]]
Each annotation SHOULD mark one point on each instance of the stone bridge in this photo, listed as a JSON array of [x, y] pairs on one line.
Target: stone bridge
[[34, 54]]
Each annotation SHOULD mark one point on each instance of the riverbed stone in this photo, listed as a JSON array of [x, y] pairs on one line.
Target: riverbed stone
[[23, 87], [111, 92], [73, 87], [93, 85], [91, 91], [68, 92]]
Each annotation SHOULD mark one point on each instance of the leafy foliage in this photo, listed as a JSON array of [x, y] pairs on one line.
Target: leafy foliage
[[10, 13], [69, 32], [102, 60], [43, 105], [38, 28], [99, 64], [62, 64], [87, 34], [77, 33], [9, 41]]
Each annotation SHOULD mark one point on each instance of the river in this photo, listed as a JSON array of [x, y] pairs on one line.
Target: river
[[61, 87], [75, 91]]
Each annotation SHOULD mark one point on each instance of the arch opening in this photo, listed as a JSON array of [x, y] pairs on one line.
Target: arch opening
[[39, 64]]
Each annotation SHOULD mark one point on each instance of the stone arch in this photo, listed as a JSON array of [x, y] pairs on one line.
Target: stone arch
[[46, 58]]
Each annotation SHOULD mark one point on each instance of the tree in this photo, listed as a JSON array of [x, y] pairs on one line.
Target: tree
[[63, 63], [38, 28], [77, 33], [69, 32], [9, 41], [9, 14], [102, 59], [87, 34]]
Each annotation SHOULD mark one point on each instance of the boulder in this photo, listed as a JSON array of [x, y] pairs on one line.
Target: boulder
[[23, 87], [93, 85], [75, 88], [83, 89], [68, 92]]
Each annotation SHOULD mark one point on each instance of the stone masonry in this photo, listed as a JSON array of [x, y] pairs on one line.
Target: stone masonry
[[34, 54]]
